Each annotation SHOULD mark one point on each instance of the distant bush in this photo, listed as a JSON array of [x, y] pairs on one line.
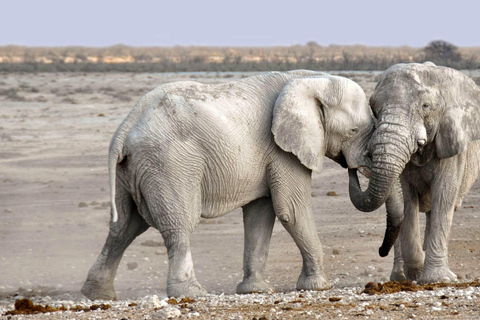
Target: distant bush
[[442, 53]]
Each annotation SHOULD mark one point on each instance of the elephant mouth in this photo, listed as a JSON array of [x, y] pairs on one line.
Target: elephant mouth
[[340, 159]]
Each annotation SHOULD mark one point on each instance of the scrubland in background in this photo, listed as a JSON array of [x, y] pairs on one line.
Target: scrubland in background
[[122, 58]]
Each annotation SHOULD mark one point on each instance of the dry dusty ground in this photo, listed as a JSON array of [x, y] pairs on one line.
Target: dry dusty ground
[[54, 212]]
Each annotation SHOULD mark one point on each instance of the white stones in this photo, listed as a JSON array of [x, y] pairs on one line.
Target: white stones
[[168, 312], [152, 302], [192, 315]]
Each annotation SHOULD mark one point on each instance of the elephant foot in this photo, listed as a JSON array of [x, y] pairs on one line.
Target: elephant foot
[[314, 282], [254, 285], [397, 275], [93, 290], [412, 273], [435, 275], [190, 289]]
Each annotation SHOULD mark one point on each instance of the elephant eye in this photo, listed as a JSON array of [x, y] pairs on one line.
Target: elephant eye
[[353, 131], [425, 105]]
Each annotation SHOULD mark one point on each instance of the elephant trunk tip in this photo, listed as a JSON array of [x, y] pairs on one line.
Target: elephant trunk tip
[[384, 250]]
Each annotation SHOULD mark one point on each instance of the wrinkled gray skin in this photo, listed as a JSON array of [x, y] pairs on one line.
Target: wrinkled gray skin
[[426, 137], [189, 150]]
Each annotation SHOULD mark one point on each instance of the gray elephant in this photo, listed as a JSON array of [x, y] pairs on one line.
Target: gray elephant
[[426, 138], [189, 150]]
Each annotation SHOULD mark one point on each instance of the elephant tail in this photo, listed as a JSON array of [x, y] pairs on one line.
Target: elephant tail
[[115, 157]]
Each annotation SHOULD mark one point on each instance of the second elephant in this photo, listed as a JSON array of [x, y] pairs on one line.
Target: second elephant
[[190, 150], [427, 136]]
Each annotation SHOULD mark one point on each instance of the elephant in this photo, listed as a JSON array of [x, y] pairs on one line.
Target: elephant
[[189, 150], [426, 140]]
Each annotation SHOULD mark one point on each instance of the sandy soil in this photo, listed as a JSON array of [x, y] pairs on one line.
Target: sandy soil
[[54, 211]]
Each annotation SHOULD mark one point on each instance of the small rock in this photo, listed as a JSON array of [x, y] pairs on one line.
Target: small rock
[[192, 314], [167, 313], [8, 210], [82, 205], [160, 252], [332, 194], [152, 302], [335, 251], [132, 265]]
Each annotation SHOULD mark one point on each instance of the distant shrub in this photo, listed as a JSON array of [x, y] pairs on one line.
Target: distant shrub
[[442, 53]]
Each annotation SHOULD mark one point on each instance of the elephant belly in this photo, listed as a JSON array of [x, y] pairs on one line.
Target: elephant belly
[[223, 193]]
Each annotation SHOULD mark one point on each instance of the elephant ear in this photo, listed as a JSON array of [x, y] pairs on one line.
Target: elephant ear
[[461, 121], [298, 123]]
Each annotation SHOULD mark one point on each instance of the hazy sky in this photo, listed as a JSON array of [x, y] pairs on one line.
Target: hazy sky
[[238, 22]]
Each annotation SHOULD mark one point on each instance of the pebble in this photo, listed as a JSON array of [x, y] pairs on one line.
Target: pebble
[[152, 302], [158, 308], [132, 265], [168, 312]]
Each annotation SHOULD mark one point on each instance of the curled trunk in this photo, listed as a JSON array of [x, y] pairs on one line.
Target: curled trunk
[[391, 152]]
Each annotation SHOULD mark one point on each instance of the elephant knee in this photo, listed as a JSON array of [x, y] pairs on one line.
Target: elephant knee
[[284, 218]]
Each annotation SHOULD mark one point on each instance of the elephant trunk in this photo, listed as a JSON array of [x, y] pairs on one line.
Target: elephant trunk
[[392, 146], [394, 206], [391, 152]]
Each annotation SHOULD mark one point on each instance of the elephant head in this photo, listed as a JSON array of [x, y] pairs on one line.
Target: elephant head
[[423, 111], [323, 115]]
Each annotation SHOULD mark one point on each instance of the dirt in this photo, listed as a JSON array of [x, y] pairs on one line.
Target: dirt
[[55, 129], [26, 306]]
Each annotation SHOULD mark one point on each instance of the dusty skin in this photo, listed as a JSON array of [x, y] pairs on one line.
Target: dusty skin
[[54, 212]]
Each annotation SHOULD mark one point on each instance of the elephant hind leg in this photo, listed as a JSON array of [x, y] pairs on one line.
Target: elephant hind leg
[[99, 283], [258, 221], [176, 220]]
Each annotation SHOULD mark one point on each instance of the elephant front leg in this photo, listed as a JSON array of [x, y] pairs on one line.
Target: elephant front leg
[[412, 251], [304, 234], [436, 247], [444, 197], [290, 187], [258, 221]]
